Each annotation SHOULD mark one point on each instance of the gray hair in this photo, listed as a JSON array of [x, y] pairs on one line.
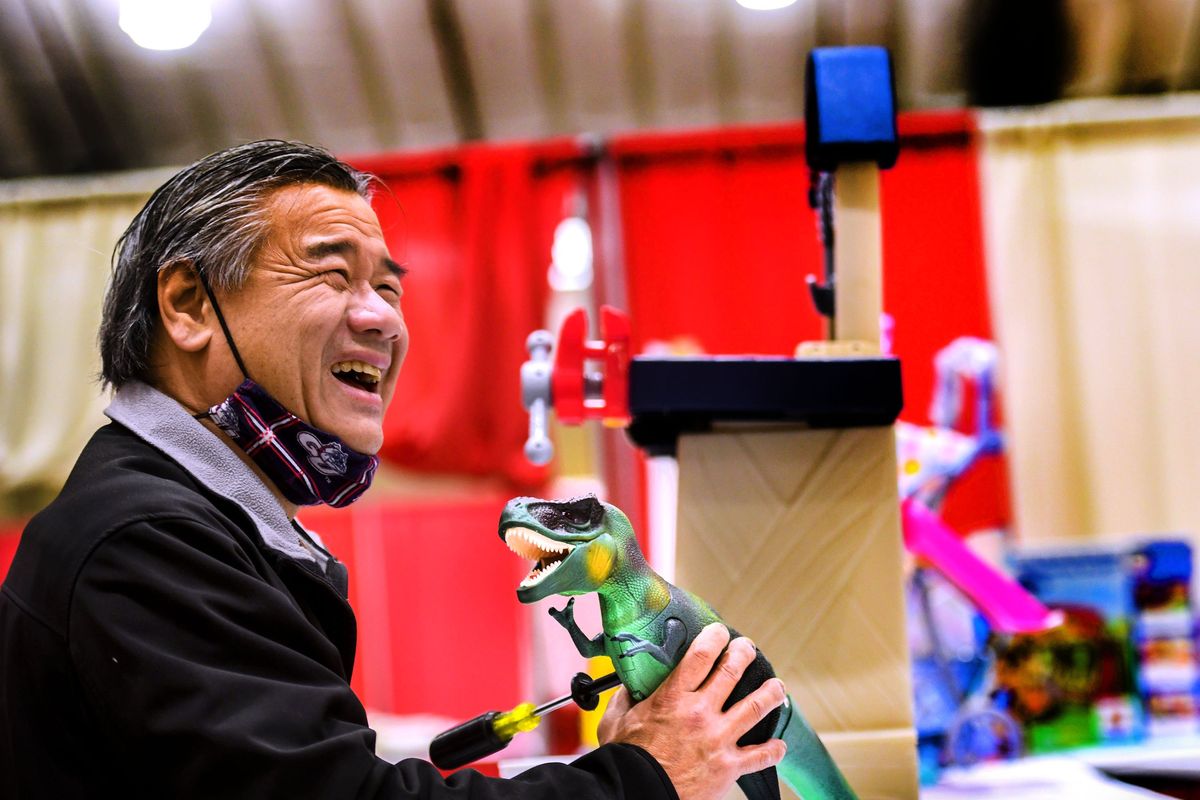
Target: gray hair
[[211, 214]]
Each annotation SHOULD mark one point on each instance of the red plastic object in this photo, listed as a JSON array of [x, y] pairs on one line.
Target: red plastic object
[[571, 401]]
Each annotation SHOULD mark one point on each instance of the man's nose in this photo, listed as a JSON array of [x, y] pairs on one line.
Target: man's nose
[[371, 314]]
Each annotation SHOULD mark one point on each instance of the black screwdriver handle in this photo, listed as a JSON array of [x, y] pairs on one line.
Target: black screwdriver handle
[[467, 742], [476, 738]]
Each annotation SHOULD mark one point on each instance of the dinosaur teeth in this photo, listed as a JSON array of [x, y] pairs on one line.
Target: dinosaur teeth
[[535, 546], [539, 573], [546, 553]]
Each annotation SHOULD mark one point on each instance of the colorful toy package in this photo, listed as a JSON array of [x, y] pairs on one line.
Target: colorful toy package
[[1122, 664], [1164, 637]]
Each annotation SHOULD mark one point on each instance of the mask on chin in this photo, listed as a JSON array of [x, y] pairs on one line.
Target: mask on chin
[[308, 465]]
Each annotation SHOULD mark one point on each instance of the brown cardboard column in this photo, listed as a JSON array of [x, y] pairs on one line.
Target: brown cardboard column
[[858, 253], [793, 535]]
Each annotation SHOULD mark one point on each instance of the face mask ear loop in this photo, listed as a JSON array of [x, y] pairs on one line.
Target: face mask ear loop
[[221, 319]]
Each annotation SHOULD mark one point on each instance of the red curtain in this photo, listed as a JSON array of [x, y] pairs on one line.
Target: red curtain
[[10, 535], [440, 630], [475, 227], [719, 237]]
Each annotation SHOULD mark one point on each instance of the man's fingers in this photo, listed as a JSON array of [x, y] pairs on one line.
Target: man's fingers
[[751, 709], [756, 757], [698, 661], [739, 655]]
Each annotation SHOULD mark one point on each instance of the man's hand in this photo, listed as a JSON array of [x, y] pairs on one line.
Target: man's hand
[[681, 724]]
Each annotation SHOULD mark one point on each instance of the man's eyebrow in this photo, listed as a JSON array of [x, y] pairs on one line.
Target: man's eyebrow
[[338, 247]]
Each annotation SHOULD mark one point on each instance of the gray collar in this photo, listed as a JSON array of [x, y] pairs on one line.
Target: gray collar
[[166, 425]]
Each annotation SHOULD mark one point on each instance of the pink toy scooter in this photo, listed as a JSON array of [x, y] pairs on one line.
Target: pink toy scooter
[[1007, 607], [939, 455]]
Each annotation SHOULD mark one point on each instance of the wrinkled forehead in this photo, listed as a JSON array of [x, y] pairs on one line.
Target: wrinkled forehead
[[311, 223], [316, 207]]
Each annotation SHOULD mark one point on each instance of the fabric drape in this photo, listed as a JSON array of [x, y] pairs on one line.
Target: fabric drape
[[1092, 212], [56, 237], [716, 240]]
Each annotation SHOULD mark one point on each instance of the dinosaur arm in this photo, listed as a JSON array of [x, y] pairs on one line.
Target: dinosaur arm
[[588, 648], [668, 653]]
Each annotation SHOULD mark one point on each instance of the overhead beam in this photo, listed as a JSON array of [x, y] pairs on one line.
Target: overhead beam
[[96, 146], [88, 110], [547, 51], [638, 65], [456, 68], [279, 76], [725, 64], [105, 83], [45, 137], [369, 73]]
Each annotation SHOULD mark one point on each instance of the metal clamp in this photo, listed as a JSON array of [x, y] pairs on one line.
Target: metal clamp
[[568, 386]]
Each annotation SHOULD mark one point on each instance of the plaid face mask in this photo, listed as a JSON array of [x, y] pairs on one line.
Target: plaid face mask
[[308, 465]]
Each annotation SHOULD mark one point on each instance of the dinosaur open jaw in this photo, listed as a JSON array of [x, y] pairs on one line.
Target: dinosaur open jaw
[[546, 553]]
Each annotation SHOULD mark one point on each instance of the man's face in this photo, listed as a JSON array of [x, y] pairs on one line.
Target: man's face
[[318, 319]]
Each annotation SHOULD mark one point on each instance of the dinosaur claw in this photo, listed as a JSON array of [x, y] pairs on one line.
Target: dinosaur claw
[[566, 615]]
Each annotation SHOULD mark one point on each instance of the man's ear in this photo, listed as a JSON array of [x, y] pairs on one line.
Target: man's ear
[[184, 306]]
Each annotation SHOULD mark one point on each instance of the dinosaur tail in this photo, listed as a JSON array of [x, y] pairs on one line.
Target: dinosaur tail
[[808, 768]]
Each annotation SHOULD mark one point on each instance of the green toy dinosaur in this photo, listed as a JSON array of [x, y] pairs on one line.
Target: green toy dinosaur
[[584, 545]]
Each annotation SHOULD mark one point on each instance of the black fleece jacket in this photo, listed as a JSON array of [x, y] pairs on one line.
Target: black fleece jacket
[[151, 645]]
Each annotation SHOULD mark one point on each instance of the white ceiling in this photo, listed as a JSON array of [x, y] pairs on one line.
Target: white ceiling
[[366, 76]]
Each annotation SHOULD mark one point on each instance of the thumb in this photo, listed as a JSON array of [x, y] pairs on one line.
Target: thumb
[[618, 705]]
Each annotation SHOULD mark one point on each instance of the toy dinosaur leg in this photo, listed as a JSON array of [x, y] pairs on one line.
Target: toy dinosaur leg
[[667, 654], [808, 767], [762, 785]]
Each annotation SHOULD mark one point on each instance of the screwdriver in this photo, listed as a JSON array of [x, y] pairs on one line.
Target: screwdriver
[[491, 732]]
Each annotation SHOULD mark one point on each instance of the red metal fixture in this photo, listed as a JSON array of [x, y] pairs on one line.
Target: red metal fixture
[[579, 394]]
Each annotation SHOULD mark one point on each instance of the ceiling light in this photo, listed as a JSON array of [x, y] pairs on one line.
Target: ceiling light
[[165, 24], [765, 5]]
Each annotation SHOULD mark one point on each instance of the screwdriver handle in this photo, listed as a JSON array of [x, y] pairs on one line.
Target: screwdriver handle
[[491, 732], [467, 742]]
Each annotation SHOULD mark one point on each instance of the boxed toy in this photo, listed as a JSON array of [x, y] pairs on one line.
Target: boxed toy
[[1164, 638], [1123, 663]]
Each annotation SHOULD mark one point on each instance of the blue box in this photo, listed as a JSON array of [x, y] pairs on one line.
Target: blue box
[[850, 107]]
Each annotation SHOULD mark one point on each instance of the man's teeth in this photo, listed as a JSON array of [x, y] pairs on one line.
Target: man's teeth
[[369, 372]]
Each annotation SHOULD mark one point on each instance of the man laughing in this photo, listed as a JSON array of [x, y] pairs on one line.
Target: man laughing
[[167, 628]]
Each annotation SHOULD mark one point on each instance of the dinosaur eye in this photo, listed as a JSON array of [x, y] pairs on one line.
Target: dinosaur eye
[[577, 516]]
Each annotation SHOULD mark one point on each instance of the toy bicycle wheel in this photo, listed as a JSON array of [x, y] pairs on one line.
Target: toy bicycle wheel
[[982, 735]]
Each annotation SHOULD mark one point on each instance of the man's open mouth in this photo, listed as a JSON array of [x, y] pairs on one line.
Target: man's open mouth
[[546, 553], [358, 374]]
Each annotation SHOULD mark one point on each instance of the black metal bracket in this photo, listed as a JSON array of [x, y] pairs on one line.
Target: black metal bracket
[[673, 396]]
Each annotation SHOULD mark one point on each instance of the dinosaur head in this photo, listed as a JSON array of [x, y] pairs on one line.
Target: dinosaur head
[[575, 544]]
